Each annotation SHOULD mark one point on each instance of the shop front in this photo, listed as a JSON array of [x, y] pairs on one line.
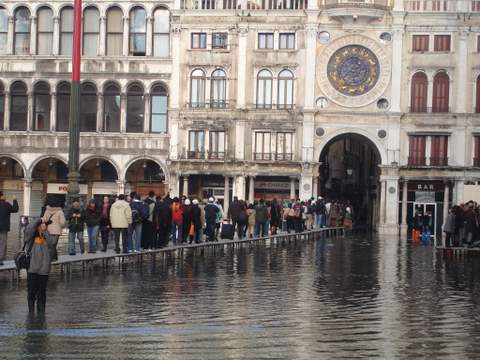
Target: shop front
[[280, 188]]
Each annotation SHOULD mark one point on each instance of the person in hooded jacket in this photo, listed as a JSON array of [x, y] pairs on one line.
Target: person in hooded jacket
[[121, 218], [55, 216], [76, 224], [5, 210], [93, 217], [211, 212]]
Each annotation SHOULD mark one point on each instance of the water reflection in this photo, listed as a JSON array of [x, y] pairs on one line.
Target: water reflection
[[364, 297]]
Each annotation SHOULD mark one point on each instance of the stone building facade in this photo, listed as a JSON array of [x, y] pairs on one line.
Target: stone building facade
[[373, 101]]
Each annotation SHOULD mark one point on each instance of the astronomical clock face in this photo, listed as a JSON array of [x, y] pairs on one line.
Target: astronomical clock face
[[353, 70]]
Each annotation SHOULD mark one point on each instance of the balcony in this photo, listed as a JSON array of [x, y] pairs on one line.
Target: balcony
[[244, 4], [196, 155], [443, 6], [216, 155], [269, 156], [212, 105], [425, 110], [417, 161], [354, 10], [438, 161]]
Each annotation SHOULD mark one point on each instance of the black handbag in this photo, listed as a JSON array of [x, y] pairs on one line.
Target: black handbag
[[22, 258]]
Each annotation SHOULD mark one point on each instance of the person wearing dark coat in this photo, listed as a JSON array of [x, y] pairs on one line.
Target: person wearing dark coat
[[93, 217], [235, 210], [148, 229], [105, 225], [162, 220], [5, 210], [449, 227], [211, 212], [275, 216], [196, 222], [76, 223]]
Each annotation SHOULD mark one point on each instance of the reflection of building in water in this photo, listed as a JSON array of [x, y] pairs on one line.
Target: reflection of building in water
[[348, 99]]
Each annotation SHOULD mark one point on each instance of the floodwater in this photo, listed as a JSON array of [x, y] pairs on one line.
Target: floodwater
[[332, 298]]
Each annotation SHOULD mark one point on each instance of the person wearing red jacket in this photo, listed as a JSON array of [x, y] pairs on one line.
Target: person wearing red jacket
[[177, 221]]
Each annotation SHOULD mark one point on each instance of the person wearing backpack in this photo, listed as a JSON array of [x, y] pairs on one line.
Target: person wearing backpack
[[140, 212]]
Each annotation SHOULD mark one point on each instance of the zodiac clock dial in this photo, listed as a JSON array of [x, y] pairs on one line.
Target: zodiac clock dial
[[353, 70]]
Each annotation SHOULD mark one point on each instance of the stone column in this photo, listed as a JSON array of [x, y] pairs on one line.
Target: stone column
[[397, 43], [382, 201], [53, 111], [27, 195], [146, 117], [242, 66], [463, 85], [175, 77], [239, 187], [292, 187], [226, 198], [315, 188], [404, 225], [305, 190], [100, 102], [185, 185], [103, 36], [120, 187], [398, 5], [446, 205], [251, 189], [30, 119], [123, 113], [56, 36], [149, 37], [6, 116], [33, 35], [429, 93], [10, 35], [126, 35], [310, 62]]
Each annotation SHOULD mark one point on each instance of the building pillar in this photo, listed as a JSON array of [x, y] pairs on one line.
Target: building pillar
[[30, 119], [398, 5], [56, 36], [185, 185], [146, 117], [310, 62], [305, 190], [446, 206], [123, 113], [429, 93], [463, 85], [175, 77], [148, 49], [120, 187], [395, 100], [242, 66], [126, 35], [103, 36], [27, 195], [383, 199], [10, 35], [53, 111], [239, 187], [226, 197], [404, 224], [292, 188], [315, 188], [33, 35], [251, 190], [173, 185], [6, 114], [100, 102]]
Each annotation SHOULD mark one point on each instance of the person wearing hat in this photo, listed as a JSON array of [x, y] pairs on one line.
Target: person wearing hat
[[5, 210], [320, 213], [196, 234], [211, 212]]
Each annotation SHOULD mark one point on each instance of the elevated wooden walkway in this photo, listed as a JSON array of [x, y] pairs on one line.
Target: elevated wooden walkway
[[458, 251], [110, 258]]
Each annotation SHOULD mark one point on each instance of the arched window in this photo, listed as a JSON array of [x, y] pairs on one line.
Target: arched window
[[22, 31], [197, 89], [159, 111], [441, 84], [88, 107], [135, 108], [477, 107], [285, 90], [63, 106], [264, 89], [138, 31], [114, 39], [218, 89], [2, 107], [91, 31], [161, 33], [66, 31], [111, 108], [45, 31], [18, 106], [41, 107], [418, 96], [3, 30]]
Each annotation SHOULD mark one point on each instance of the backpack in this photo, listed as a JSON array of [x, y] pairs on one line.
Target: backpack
[[242, 217], [136, 217]]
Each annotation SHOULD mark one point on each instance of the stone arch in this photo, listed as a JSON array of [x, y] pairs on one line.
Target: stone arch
[[160, 163], [100, 157], [370, 138], [18, 160], [43, 157]]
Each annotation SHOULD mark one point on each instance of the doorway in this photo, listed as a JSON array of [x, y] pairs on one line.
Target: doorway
[[428, 214]]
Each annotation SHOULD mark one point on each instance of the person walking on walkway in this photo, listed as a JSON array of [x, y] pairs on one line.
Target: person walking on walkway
[[39, 268], [177, 221], [261, 219], [121, 218], [93, 217], [196, 222], [219, 220], [76, 224], [187, 219], [105, 222], [148, 230], [234, 212], [275, 216], [162, 220], [251, 221], [5, 210], [211, 212], [55, 216], [140, 213]]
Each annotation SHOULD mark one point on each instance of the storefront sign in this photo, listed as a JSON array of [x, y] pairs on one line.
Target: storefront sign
[[426, 186], [424, 196], [104, 188], [63, 189], [19, 185], [274, 185]]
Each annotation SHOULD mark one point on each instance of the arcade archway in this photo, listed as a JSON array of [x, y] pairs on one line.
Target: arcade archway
[[349, 173], [145, 175]]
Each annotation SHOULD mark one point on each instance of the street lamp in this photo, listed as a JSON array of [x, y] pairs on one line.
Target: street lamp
[[74, 119]]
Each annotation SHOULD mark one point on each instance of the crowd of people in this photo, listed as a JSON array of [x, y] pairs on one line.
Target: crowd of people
[[462, 226]]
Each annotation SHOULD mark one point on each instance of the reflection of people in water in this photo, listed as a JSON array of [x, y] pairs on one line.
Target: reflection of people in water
[[36, 340]]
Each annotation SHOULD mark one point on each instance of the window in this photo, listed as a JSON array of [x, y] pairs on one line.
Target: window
[[138, 32], [439, 151], [41, 107], [284, 146], [111, 108], [416, 154], [197, 89], [22, 31], [3, 30], [218, 89], [217, 145], [219, 40], [285, 90], [45, 31], [477, 107], [199, 40], [287, 41], [114, 39], [441, 43], [159, 111], [196, 144], [2, 107], [18, 106], [418, 96], [265, 40], [88, 107], [262, 146], [420, 43], [476, 155], [135, 108], [66, 31], [161, 33], [264, 89], [441, 83], [63, 106], [91, 31]]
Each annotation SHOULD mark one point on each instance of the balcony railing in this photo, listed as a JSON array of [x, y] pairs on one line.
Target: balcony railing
[[284, 157], [244, 5], [213, 105], [381, 4], [196, 154], [417, 161], [438, 161], [273, 156], [443, 5], [425, 110], [216, 155]]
